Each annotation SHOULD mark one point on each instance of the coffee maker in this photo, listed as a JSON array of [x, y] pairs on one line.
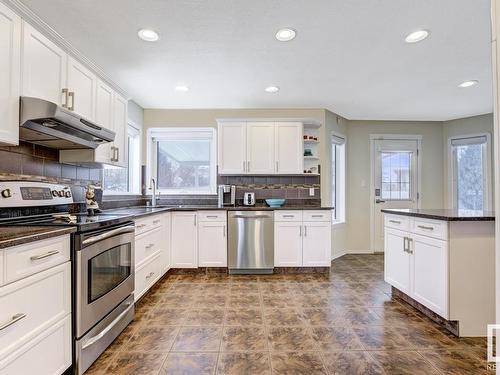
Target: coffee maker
[[226, 195]]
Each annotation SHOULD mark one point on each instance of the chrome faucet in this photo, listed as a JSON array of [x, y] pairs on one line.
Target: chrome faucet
[[153, 197]]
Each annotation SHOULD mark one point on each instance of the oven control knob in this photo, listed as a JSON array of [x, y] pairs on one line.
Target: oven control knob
[[54, 193], [67, 194], [6, 193], [61, 193]]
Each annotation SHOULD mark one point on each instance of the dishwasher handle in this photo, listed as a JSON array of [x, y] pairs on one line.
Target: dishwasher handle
[[251, 216]]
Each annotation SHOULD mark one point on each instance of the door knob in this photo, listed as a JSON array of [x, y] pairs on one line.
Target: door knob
[[379, 201]]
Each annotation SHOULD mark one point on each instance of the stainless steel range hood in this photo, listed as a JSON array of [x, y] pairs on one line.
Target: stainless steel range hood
[[47, 124]]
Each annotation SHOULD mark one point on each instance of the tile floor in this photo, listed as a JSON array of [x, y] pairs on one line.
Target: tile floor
[[341, 323]]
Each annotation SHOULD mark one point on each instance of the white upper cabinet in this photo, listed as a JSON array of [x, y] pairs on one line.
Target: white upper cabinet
[[43, 67], [289, 148], [260, 147], [232, 148], [10, 75], [81, 85], [120, 127], [104, 109]]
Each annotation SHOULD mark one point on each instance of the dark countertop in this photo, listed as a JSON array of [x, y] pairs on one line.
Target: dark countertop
[[145, 210], [444, 214], [17, 235]]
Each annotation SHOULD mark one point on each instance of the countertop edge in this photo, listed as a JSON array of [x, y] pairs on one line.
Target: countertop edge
[[28, 238], [439, 217]]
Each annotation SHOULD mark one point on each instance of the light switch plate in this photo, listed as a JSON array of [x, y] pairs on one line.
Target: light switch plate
[[311, 192]]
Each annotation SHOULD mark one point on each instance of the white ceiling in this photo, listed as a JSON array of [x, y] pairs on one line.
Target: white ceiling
[[349, 55]]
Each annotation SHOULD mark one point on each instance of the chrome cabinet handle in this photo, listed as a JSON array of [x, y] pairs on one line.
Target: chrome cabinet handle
[[394, 221], [151, 274], [212, 216], [224, 232], [410, 240], [379, 201], [150, 246], [141, 226], [300, 231], [14, 319], [195, 220], [65, 92], [405, 249], [46, 255], [244, 166], [248, 166], [316, 215], [305, 230], [277, 166], [117, 153], [71, 95], [425, 227], [288, 216], [156, 221]]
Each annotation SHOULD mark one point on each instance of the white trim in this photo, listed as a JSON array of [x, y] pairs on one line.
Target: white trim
[[381, 137], [487, 169], [343, 212], [40, 25], [338, 255], [304, 121]]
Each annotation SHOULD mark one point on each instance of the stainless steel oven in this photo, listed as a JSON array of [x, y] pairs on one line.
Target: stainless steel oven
[[103, 289]]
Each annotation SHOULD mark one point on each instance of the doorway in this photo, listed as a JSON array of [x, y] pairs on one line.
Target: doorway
[[395, 179]]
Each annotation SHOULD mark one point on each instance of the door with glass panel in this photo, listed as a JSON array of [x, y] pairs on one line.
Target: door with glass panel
[[395, 181]]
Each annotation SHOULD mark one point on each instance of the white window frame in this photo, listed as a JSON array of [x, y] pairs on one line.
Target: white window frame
[[133, 163], [339, 200], [487, 183], [155, 134]]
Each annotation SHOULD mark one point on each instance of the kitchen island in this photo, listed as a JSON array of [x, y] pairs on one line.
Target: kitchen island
[[443, 263]]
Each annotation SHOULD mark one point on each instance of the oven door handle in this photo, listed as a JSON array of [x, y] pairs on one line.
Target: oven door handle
[[100, 335], [108, 234]]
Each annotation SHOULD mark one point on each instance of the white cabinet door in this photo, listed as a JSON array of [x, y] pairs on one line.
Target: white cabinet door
[[82, 87], [104, 109], [120, 128], [288, 244], [289, 148], [232, 148], [430, 273], [166, 244], [212, 244], [184, 240], [10, 75], [397, 261], [260, 147], [317, 244], [43, 67]]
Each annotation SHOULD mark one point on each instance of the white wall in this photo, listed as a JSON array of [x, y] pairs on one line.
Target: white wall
[[464, 126]]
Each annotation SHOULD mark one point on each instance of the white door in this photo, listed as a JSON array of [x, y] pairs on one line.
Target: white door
[[260, 147], [430, 273], [104, 110], [397, 260], [232, 148], [82, 87], [289, 148], [288, 244], [212, 244], [317, 244], [10, 75], [395, 181], [184, 240], [44, 67], [120, 128]]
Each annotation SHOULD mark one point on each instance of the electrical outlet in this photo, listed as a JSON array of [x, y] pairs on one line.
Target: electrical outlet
[[311, 192]]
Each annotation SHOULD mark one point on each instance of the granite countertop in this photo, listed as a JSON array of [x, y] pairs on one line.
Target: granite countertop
[[147, 210], [17, 235], [445, 214]]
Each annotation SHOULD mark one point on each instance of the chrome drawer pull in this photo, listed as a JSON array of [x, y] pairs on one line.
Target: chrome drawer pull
[[13, 320], [141, 226], [46, 255], [289, 216], [150, 246], [394, 221], [316, 215], [212, 216], [151, 274], [156, 221], [425, 227]]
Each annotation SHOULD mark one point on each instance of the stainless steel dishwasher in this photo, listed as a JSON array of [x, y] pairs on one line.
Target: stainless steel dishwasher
[[250, 242]]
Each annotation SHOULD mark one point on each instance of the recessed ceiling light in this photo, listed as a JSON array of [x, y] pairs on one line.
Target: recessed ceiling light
[[286, 34], [468, 83], [148, 35], [181, 88], [417, 36], [272, 89]]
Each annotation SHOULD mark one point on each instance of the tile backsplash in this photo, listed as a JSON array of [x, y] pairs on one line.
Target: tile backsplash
[[37, 163]]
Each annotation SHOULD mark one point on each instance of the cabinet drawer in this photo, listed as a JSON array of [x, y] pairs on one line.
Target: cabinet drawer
[[37, 302], [147, 244], [397, 222], [431, 228], [288, 215], [318, 215], [146, 276], [48, 353], [212, 216], [27, 259], [147, 223]]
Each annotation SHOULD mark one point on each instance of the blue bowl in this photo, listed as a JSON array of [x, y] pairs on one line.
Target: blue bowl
[[275, 202]]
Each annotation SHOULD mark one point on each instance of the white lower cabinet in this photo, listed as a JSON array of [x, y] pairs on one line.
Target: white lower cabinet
[[35, 312], [417, 265], [212, 244], [165, 242], [184, 240], [299, 243], [146, 275]]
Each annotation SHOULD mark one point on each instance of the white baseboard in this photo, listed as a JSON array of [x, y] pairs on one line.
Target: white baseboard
[[338, 255]]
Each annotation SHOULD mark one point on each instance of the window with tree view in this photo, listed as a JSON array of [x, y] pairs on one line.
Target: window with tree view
[[396, 175]]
